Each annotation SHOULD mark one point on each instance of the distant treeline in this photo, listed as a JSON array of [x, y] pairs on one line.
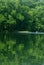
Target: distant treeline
[[22, 15]]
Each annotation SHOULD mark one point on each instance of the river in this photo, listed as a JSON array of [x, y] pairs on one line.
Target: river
[[21, 49]]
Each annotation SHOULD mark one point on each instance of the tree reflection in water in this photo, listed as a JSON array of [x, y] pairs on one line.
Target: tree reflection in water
[[21, 49]]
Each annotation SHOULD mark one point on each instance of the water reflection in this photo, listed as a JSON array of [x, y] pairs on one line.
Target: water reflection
[[21, 49]]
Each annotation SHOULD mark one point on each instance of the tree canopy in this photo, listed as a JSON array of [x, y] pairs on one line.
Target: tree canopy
[[22, 15]]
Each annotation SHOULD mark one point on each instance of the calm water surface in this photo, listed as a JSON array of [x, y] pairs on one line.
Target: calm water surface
[[21, 49]]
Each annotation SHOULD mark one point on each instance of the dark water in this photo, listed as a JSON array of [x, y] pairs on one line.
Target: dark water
[[21, 49]]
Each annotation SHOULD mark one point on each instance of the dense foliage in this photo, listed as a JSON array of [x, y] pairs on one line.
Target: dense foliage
[[22, 15]]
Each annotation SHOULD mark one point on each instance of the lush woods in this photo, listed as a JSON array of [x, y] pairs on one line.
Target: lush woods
[[22, 15], [16, 48]]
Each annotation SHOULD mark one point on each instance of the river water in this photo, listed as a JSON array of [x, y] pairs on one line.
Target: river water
[[21, 49]]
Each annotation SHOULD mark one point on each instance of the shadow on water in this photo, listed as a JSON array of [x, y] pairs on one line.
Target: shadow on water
[[22, 48]]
